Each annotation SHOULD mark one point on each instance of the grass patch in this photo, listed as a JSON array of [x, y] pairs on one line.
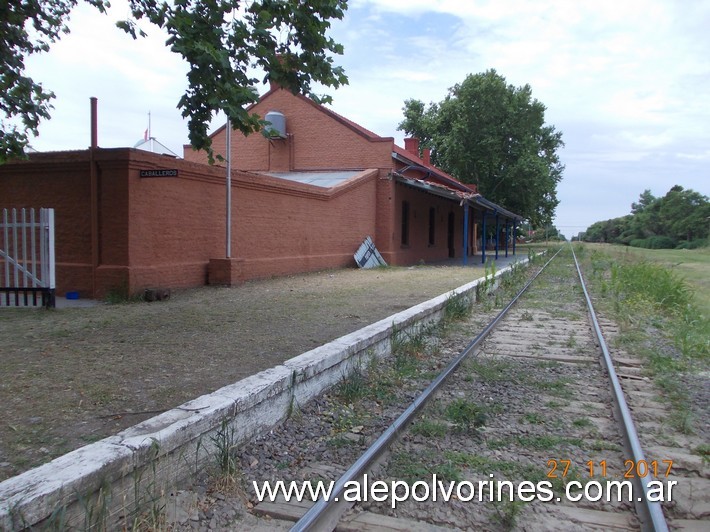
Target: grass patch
[[545, 442], [533, 418], [557, 387], [556, 404], [506, 513], [703, 451], [582, 422], [421, 467], [603, 445], [690, 265], [660, 317], [490, 370], [339, 441], [429, 428], [465, 414]]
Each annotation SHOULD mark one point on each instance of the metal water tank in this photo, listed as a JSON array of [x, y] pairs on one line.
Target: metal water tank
[[276, 125]]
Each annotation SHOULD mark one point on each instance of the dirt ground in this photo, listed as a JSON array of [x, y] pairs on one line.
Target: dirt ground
[[72, 376]]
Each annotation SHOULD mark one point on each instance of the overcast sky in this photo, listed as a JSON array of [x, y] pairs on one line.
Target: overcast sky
[[626, 81]]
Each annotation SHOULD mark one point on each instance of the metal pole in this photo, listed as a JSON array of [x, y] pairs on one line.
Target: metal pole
[[94, 195], [229, 188], [483, 240], [507, 235], [497, 234]]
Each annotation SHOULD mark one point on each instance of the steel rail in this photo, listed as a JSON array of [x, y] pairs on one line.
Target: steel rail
[[325, 514], [649, 512]]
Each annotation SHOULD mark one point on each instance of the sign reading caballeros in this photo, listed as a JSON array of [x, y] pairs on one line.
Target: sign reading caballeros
[[159, 173]]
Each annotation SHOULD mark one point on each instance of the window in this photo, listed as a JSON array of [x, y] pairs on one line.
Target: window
[[432, 226], [405, 223]]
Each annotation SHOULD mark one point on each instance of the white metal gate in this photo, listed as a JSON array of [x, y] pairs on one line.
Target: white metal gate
[[27, 258]]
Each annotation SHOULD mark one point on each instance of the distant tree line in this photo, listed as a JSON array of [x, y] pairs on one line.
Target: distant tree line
[[680, 219]]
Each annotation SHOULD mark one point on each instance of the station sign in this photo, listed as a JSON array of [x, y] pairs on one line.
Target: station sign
[[159, 173]]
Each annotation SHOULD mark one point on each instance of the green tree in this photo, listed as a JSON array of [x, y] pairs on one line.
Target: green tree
[[686, 214], [494, 135], [221, 40], [646, 199]]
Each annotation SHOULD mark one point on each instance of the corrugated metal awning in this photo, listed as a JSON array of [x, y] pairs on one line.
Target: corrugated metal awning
[[318, 179], [455, 195]]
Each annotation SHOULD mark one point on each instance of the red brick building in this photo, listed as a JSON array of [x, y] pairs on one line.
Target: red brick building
[[302, 200]]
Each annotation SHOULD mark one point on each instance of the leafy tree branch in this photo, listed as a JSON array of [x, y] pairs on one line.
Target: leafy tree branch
[[223, 42]]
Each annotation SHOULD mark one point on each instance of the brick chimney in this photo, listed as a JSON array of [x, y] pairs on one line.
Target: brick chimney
[[412, 145], [426, 156], [272, 83]]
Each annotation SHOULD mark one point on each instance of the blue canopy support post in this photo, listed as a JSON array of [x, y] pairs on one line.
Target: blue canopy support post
[[465, 234], [497, 234], [483, 238], [506, 238], [515, 232]]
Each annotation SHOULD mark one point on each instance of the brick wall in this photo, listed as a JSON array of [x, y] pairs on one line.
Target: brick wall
[[317, 139], [419, 249], [163, 231], [308, 229]]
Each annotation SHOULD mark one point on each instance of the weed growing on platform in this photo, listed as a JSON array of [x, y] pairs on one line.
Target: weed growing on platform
[[224, 442], [458, 307], [353, 386], [408, 349], [96, 508]]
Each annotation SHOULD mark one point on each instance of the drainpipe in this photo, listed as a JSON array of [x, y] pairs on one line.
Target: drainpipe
[[229, 189], [94, 192], [465, 233]]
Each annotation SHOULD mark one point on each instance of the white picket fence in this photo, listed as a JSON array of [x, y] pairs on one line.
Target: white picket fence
[[27, 275]]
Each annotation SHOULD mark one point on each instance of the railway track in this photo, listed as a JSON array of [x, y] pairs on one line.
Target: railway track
[[525, 428]]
